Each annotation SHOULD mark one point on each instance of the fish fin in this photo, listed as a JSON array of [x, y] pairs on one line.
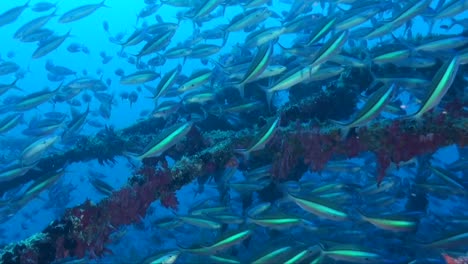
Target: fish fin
[[181, 248], [322, 249], [221, 66], [361, 215]]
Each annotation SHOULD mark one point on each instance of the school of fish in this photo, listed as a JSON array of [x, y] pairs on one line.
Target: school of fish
[[337, 216]]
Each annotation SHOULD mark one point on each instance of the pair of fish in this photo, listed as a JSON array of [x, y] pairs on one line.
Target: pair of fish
[[441, 82]]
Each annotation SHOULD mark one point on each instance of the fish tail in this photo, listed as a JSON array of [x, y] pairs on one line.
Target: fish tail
[[245, 154], [281, 46], [225, 38], [269, 94], [453, 22], [103, 4], [241, 88], [133, 158], [13, 84], [344, 128], [415, 117]]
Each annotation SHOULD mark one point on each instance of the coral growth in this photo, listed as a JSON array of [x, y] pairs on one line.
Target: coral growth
[[93, 224], [391, 142]]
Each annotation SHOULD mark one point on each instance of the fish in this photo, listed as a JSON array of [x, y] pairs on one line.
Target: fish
[[39, 186], [50, 45], [43, 6], [395, 225], [35, 99], [11, 121], [34, 152], [148, 11], [199, 97], [226, 260], [441, 82], [134, 39], [43, 127], [247, 19], [303, 255], [10, 86], [356, 18], [165, 109], [452, 260], [276, 222], [407, 13], [196, 80], [14, 171], [448, 177], [325, 73], [75, 125], [177, 52], [168, 257], [157, 43], [392, 57], [330, 48], [442, 44], [169, 138], [347, 61], [257, 67], [166, 82], [370, 110], [101, 186], [319, 208], [291, 78], [223, 243], [32, 26], [58, 70], [12, 14], [322, 30], [204, 50], [139, 77], [219, 78], [448, 242], [273, 255], [352, 255], [201, 222], [263, 36], [40, 35], [8, 67], [451, 9]]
